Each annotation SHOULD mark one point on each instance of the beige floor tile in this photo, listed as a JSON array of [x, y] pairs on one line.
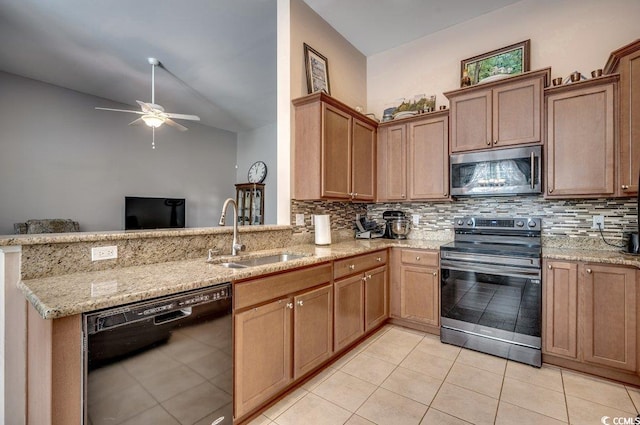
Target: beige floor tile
[[148, 363], [121, 406], [475, 379], [318, 379], [393, 346], [212, 364], [436, 417], [358, 420], [585, 412], [546, 376], [634, 393], [108, 380], [369, 368], [465, 404], [437, 348], [261, 420], [224, 381], [597, 390], [185, 349], [171, 382], [387, 408], [509, 414], [347, 357], [482, 361], [289, 400], [224, 412], [428, 364], [413, 385], [313, 410], [532, 397], [345, 390]]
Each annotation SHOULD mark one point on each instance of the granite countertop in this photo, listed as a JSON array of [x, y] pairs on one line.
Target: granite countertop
[[592, 256], [59, 296]]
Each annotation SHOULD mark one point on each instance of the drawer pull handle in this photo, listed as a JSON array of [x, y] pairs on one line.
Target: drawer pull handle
[[435, 273], [352, 266], [290, 305], [369, 276], [379, 259], [495, 142], [625, 187], [300, 303], [589, 271], [364, 278], [417, 258], [549, 266], [488, 142]]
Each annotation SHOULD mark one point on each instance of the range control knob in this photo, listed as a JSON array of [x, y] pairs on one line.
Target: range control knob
[[460, 222], [469, 222], [519, 223], [531, 223]]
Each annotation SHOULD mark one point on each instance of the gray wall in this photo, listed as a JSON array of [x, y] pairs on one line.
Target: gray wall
[[260, 145], [61, 158]]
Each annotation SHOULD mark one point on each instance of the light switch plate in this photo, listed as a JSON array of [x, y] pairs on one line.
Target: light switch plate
[[416, 218], [598, 219], [104, 253], [299, 219]]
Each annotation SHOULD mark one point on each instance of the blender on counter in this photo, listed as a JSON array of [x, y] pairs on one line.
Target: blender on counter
[[397, 226]]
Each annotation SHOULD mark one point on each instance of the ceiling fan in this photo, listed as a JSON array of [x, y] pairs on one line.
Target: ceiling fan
[[153, 114]]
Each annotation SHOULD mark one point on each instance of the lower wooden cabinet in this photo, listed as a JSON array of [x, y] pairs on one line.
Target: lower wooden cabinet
[[376, 297], [415, 286], [590, 314], [349, 310]]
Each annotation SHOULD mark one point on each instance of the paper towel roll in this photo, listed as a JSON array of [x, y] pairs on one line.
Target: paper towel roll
[[323, 229]]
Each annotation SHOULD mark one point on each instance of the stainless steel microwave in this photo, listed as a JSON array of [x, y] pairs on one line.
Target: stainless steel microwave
[[497, 172]]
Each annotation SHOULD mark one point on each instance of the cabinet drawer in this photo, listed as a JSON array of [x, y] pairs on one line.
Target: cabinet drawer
[[256, 291], [419, 257], [359, 264]]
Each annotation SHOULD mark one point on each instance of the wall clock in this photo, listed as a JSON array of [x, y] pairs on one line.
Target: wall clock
[[257, 172]]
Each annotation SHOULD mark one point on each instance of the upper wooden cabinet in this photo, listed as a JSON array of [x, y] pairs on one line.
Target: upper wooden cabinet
[[581, 136], [626, 61], [413, 159], [497, 114], [334, 151]]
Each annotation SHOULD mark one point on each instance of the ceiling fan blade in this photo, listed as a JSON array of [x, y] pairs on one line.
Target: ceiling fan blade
[[120, 110], [172, 123], [183, 116], [146, 107], [136, 121]]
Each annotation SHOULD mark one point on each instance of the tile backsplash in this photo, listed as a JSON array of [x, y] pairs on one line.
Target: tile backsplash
[[560, 218]]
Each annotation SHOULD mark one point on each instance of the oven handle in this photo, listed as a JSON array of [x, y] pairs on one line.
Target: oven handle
[[491, 269], [494, 260], [533, 171]]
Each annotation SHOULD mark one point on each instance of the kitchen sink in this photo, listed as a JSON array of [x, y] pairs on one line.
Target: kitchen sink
[[260, 261]]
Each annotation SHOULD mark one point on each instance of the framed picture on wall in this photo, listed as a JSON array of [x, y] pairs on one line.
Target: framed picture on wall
[[317, 68], [496, 64]]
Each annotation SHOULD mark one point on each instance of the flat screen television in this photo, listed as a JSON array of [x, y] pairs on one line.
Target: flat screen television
[[153, 213]]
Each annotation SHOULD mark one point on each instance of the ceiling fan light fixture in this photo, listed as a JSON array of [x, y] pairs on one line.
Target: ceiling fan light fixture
[[152, 121]]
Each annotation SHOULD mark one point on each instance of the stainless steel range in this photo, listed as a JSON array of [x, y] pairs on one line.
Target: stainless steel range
[[491, 292]]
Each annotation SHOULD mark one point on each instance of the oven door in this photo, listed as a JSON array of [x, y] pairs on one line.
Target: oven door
[[502, 302], [497, 172]]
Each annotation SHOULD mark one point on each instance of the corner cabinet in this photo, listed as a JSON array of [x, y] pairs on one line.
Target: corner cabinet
[[413, 159], [581, 139], [590, 318], [334, 151], [498, 114], [626, 61]]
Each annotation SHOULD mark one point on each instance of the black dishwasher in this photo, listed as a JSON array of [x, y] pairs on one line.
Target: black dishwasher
[[166, 360]]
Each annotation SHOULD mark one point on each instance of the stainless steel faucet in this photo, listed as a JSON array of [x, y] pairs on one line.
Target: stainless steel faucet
[[235, 244]]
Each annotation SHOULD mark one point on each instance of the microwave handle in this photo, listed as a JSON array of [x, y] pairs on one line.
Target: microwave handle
[[533, 171]]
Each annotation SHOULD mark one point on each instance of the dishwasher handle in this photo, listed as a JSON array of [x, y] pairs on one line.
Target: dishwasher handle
[[161, 319]]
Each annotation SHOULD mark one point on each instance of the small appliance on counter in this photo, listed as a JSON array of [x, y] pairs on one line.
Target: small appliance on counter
[[397, 226], [368, 229]]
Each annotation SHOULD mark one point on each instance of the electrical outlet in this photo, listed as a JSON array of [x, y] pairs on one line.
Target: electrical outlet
[[416, 219], [598, 219], [104, 253], [299, 219]]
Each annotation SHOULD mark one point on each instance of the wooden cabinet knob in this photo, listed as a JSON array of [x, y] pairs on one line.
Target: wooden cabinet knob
[[488, 142], [417, 258], [495, 142], [550, 190], [549, 266], [625, 187], [379, 259], [300, 303], [364, 278], [369, 276], [352, 266], [589, 271], [290, 305], [445, 194], [435, 273]]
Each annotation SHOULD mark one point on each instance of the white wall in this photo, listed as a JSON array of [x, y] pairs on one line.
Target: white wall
[[61, 158], [566, 35], [260, 145]]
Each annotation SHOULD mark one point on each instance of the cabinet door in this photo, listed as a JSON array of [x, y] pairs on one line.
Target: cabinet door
[[419, 294], [393, 173], [560, 309], [349, 310], [376, 298], [517, 113], [630, 123], [580, 142], [363, 176], [609, 312], [429, 159], [471, 121], [312, 329], [336, 153], [262, 351]]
